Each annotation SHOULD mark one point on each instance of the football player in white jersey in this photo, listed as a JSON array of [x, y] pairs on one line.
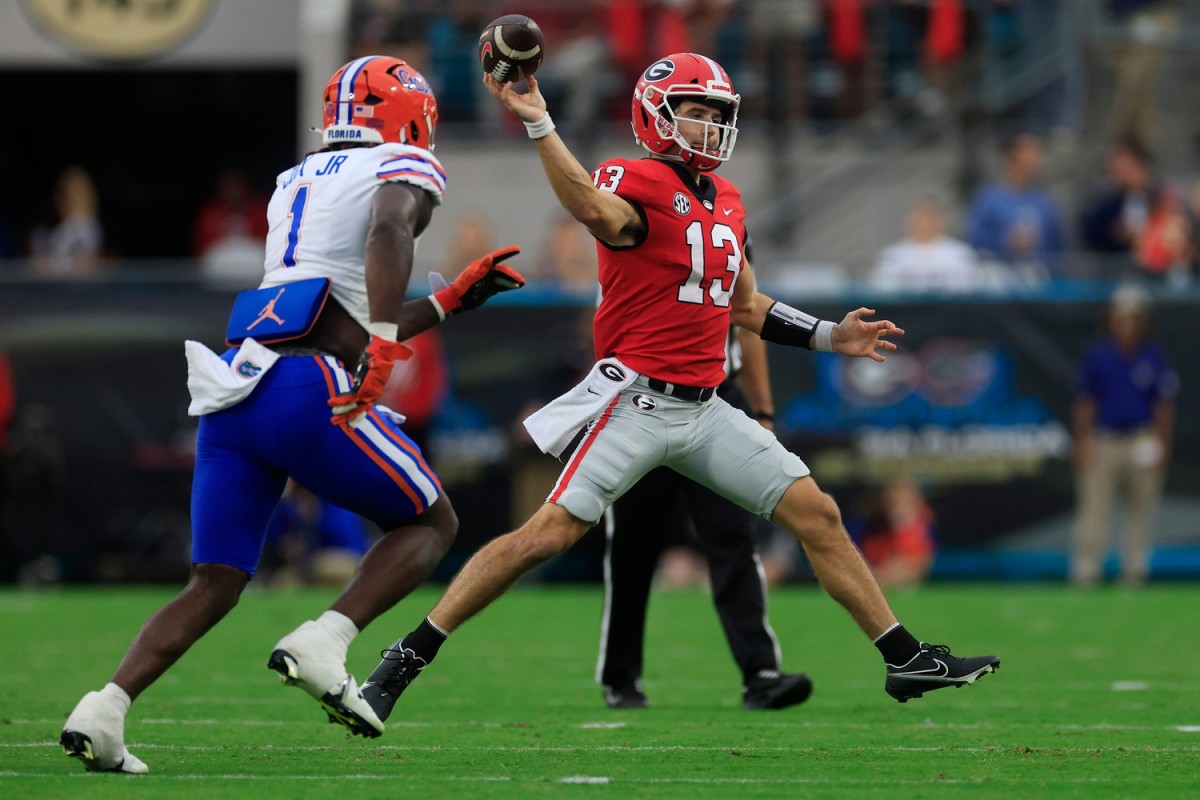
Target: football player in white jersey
[[294, 396]]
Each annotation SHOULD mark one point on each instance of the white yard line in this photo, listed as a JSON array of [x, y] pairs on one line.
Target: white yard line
[[674, 748], [1040, 780]]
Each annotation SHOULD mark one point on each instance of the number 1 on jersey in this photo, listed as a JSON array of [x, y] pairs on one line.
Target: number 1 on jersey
[[691, 291], [295, 217]]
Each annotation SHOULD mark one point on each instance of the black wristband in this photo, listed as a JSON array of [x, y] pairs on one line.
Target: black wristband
[[764, 416], [790, 326], [786, 325]]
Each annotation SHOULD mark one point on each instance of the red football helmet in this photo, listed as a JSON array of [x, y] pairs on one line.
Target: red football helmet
[[666, 83], [378, 99]]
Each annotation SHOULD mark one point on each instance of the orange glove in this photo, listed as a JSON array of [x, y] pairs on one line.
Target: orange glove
[[481, 279], [370, 376]]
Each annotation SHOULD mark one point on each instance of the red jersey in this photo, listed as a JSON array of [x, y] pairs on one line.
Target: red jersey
[[665, 301]]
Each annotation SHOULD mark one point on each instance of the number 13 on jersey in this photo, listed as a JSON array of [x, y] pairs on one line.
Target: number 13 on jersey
[[721, 236], [723, 239]]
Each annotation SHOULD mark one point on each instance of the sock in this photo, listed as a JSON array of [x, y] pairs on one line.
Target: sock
[[897, 645], [118, 694], [339, 625], [426, 640]]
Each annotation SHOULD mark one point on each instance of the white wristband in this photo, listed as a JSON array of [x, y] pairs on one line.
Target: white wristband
[[384, 330], [823, 336], [441, 312], [540, 128]]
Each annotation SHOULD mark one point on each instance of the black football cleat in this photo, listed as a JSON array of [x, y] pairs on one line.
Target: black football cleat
[[934, 668], [400, 667], [772, 689], [621, 697]]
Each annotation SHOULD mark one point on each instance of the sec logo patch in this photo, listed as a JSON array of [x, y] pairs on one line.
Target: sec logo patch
[[683, 206]]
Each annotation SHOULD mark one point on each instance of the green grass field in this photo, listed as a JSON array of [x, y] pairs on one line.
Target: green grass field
[[1098, 697]]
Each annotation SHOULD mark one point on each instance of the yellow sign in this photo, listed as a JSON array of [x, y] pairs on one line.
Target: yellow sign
[[118, 28]]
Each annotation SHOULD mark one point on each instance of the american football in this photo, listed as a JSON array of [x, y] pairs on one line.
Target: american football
[[511, 48]]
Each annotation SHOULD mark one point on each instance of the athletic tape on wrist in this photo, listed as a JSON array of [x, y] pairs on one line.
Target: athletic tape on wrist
[[542, 127], [823, 336], [441, 312], [384, 330]]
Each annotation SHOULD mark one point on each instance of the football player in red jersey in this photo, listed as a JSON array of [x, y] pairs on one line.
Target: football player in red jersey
[[671, 238]]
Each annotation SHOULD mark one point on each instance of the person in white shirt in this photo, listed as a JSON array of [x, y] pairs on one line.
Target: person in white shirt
[[926, 260]]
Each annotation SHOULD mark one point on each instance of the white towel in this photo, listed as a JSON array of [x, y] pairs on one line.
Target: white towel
[[215, 385], [555, 424]]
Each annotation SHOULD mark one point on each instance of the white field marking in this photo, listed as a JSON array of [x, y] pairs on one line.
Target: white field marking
[[926, 724], [237, 777], [583, 779], [602, 725], [617, 748], [1130, 686], [1188, 728], [1041, 780]]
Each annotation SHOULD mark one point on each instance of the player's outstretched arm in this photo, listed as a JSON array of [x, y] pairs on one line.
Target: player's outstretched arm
[[608, 217]]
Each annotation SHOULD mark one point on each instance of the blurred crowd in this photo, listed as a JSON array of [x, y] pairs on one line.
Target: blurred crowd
[[825, 67]]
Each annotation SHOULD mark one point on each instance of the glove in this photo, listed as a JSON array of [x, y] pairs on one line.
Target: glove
[[370, 376], [480, 280]]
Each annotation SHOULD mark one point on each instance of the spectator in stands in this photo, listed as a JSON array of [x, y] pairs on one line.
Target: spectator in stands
[[1150, 26], [1113, 220], [1137, 215], [73, 246], [1167, 245], [229, 233], [897, 536], [1123, 422], [233, 211], [777, 34], [926, 260], [1015, 219], [569, 257], [387, 27], [473, 237]]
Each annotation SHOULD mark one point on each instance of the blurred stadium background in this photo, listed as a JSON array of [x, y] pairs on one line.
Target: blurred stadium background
[[154, 129]]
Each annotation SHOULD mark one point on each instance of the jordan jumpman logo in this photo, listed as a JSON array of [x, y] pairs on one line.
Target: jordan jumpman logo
[[268, 311]]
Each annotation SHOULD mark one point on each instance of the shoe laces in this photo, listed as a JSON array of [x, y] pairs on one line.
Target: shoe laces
[[938, 649], [404, 665]]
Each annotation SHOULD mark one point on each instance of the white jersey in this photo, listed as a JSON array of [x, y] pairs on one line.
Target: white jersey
[[319, 213]]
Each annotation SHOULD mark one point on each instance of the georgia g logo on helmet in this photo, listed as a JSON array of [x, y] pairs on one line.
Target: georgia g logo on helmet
[[660, 69]]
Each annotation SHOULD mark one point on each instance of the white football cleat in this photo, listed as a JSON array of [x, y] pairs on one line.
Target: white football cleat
[[311, 657], [95, 734]]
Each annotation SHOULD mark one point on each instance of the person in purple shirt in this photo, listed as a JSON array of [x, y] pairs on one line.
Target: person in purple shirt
[[1015, 219], [1123, 419]]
